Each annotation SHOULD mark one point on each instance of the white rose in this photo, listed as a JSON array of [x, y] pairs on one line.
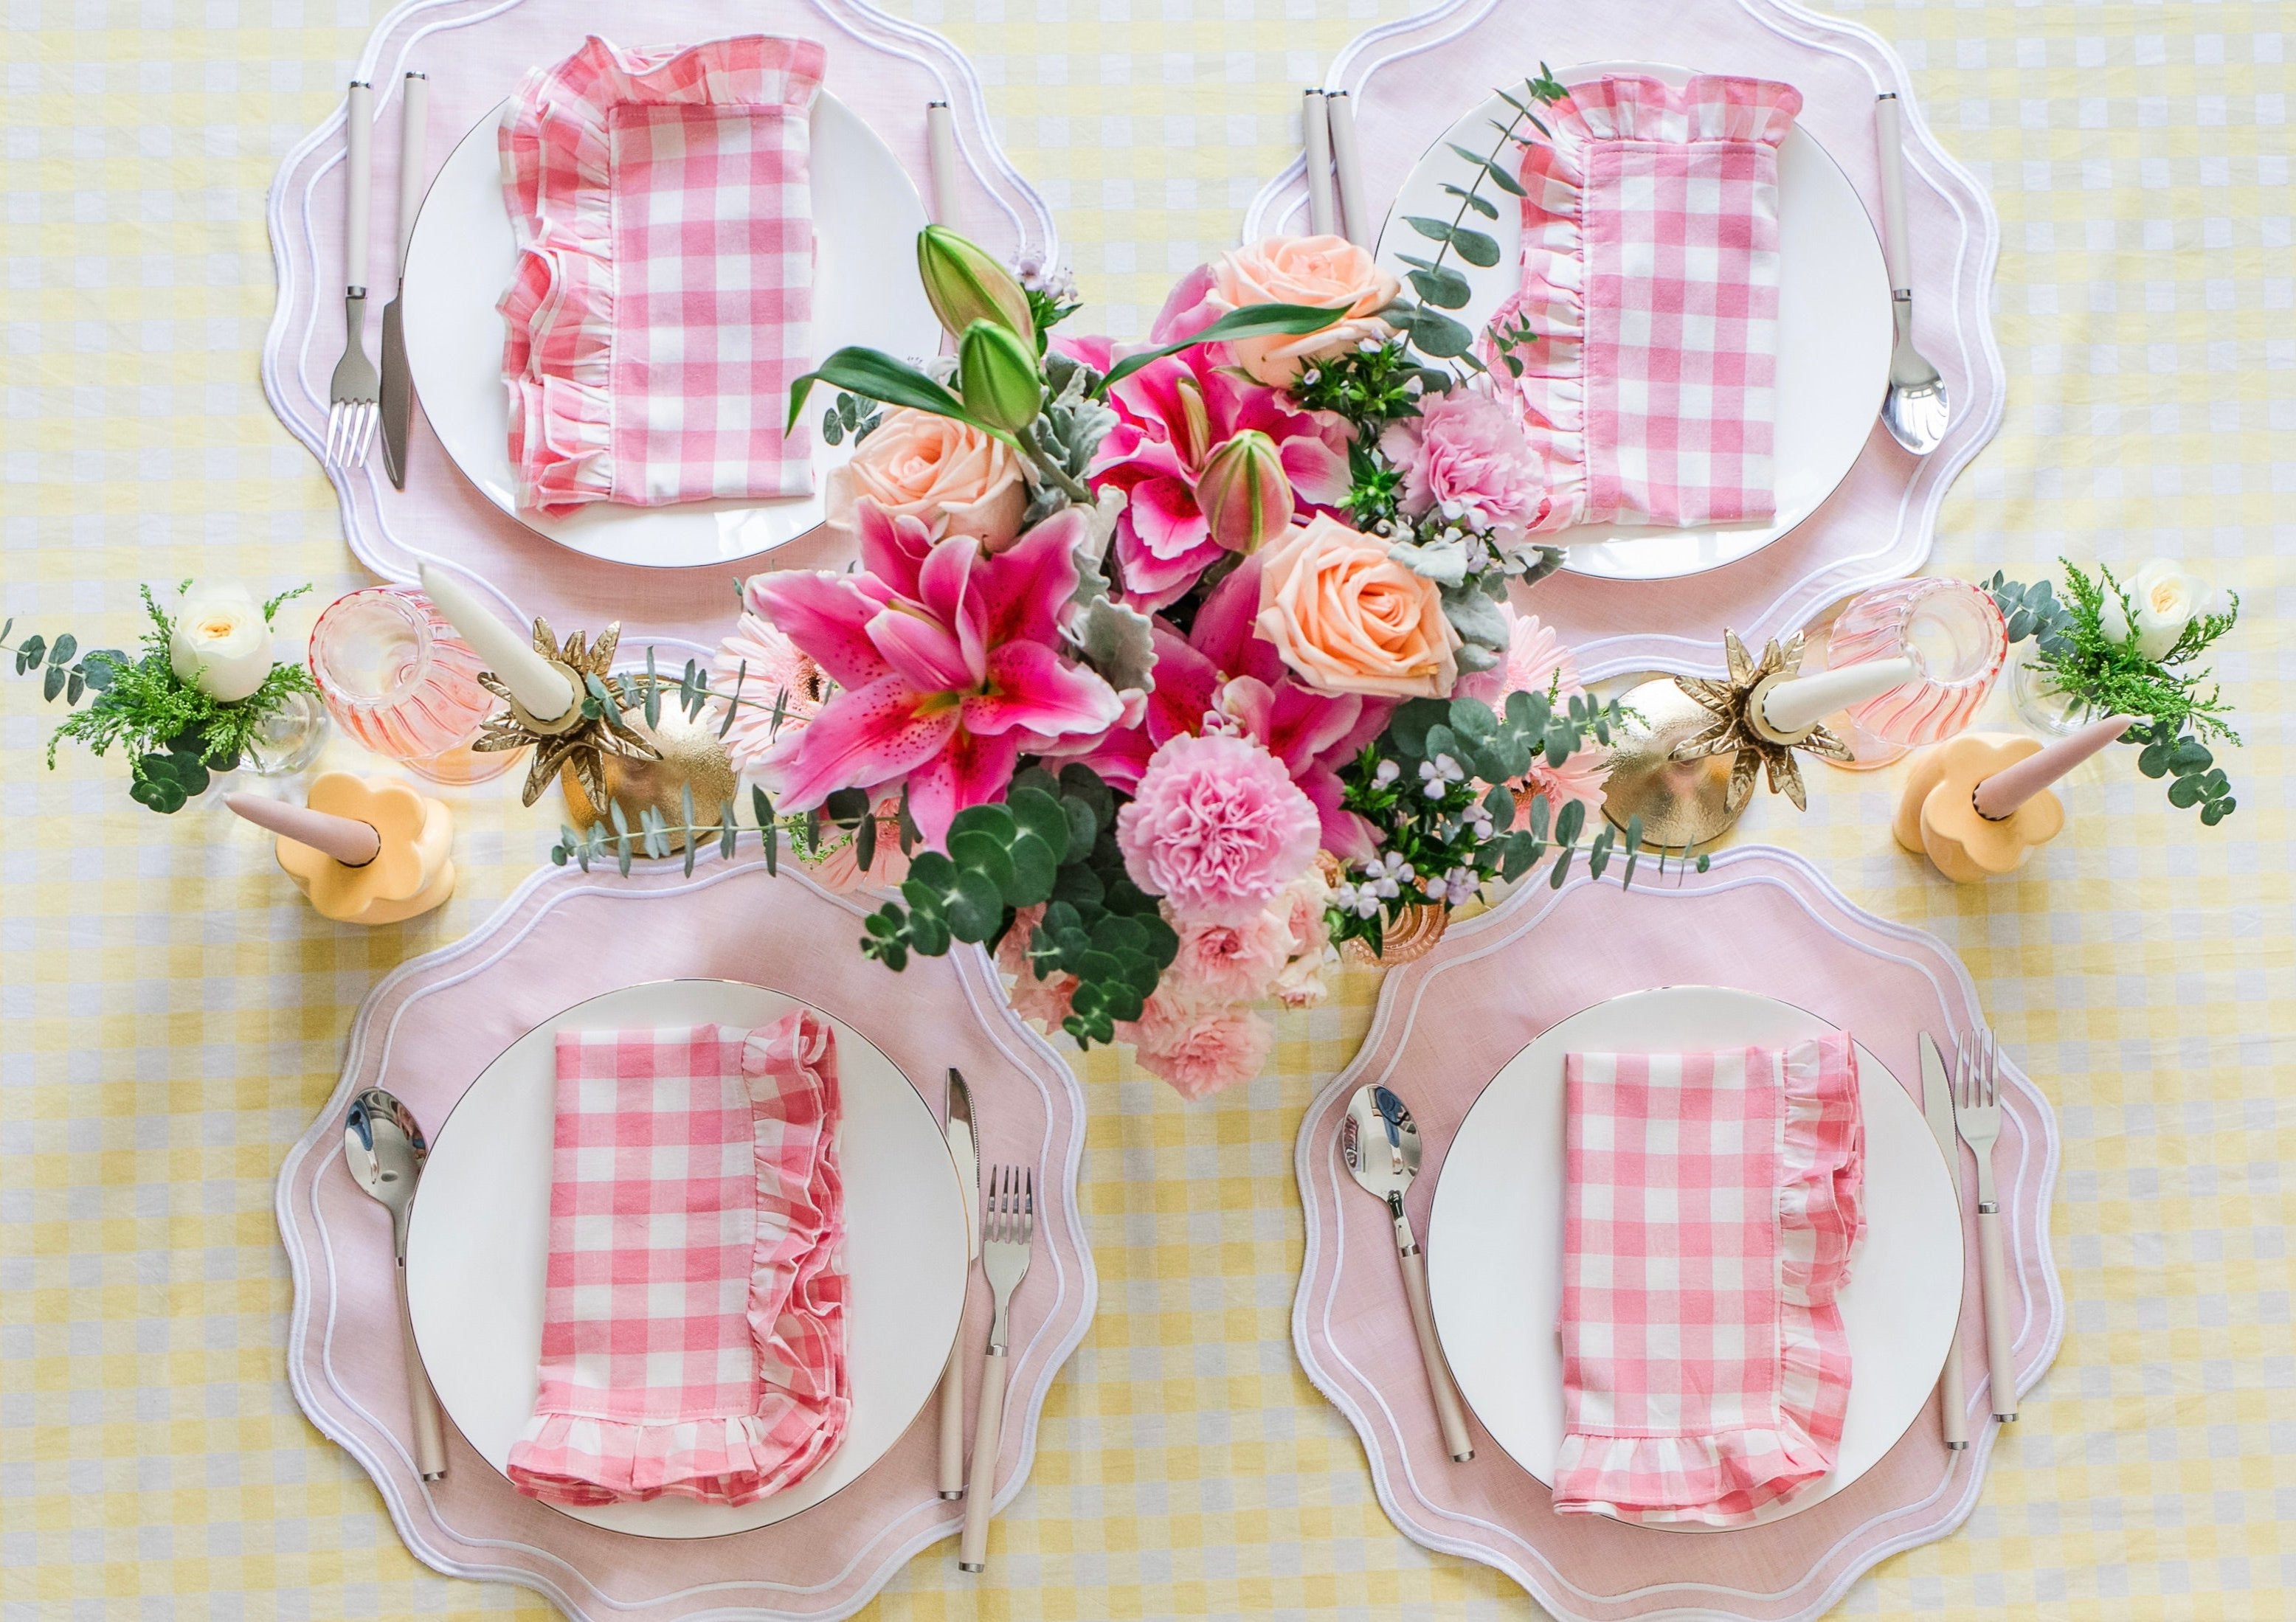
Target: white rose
[[2165, 598], [221, 643]]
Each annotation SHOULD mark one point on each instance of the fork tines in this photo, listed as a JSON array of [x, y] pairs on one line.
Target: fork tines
[[1011, 1206], [350, 427]]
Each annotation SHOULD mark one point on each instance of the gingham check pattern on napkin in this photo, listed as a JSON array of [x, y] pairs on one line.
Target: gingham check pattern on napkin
[[1650, 265], [1711, 1207], [693, 1328], [664, 294]]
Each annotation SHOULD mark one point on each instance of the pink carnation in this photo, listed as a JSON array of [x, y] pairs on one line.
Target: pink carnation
[[1217, 827], [1045, 999], [1230, 963], [1464, 456], [1199, 1054]]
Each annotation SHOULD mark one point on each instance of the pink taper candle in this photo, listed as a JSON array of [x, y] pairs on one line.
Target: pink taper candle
[[352, 843], [2000, 795]]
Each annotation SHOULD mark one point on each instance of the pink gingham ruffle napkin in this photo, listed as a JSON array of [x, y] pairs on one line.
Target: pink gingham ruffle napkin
[[1650, 274], [1712, 1203], [693, 1318], [663, 301]]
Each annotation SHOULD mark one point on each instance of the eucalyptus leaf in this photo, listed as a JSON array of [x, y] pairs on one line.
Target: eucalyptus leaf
[[1436, 334], [1477, 248], [1441, 286], [66, 646], [1481, 205]]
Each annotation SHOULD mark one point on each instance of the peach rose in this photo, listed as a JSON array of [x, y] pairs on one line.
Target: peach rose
[[949, 474], [1347, 618], [1323, 271]]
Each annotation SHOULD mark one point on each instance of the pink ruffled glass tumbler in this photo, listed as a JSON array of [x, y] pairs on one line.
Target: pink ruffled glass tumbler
[[397, 679], [1953, 635]]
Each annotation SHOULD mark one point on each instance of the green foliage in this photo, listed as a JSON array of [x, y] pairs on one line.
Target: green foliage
[[2178, 719], [847, 414], [1252, 321], [1050, 843], [1047, 308], [177, 737], [1442, 785]]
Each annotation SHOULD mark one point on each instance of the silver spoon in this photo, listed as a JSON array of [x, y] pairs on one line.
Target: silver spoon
[[384, 1149], [1379, 1142], [1917, 407]]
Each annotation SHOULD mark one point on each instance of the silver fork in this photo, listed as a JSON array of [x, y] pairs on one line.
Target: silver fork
[[1008, 1225], [353, 395], [1977, 1116]]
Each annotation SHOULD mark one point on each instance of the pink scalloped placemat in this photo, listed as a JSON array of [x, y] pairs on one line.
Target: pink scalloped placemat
[[1761, 920], [429, 1030], [886, 69], [1411, 78]]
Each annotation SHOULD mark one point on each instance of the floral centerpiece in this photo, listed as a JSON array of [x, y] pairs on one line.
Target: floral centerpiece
[[1165, 666]]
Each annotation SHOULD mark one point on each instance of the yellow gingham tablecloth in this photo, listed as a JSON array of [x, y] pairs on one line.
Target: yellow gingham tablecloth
[[171, 1015]]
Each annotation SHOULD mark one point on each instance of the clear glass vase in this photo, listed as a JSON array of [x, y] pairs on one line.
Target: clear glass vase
[[1953, 633], [2040, 703], [290, 738]]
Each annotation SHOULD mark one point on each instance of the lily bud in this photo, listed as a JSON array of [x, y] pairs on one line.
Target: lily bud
[[1244, 494], [964, 283], [997, 373], [1191, 435]]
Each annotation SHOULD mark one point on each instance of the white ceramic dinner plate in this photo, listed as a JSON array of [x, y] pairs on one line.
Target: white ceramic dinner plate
[[479, 1240], [1495, 1237], [1833, 330], [867, 216]]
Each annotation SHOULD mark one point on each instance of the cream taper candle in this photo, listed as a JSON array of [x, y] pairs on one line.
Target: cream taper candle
[[1315, 124], [347, 840], [1795, 706], [533, 680], [2000, 795]]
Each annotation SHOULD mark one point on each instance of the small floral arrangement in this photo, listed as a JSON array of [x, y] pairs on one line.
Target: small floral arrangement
[[193, 703], [2131, 649], [1165, 667]]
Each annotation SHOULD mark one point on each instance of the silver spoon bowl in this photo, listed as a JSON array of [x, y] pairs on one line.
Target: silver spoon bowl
[[383, 1147]]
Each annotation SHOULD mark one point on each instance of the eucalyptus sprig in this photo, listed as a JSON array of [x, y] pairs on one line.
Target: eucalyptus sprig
[[2180, 707], [177, 736]]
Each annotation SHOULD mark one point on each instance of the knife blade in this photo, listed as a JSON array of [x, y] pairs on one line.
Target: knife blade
[[1937, 1109], [397, 385], [964, 1149]]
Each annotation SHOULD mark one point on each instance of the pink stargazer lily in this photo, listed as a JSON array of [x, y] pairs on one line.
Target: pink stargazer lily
[[1222, 669], [946, 659], [1171, 416]]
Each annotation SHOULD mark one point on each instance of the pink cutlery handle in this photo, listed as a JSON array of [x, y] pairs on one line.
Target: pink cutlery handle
[[414, 120], [1953, 1398], [358, 180], [1997, 1344], [1890, 136], [430, 1430], [952, 1425], [1449, 1412], [972, 1552]]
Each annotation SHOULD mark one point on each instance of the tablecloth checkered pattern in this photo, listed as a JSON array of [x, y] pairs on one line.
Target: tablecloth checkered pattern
[[1713, 1202], [171, 1016]]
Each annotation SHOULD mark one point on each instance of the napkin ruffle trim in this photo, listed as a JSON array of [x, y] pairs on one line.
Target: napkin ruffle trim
[[556, 152], [796, 1313], [1721, 1479]]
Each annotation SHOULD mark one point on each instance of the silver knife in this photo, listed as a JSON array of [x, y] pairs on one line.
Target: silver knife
[[397, 387], [1937, 1108], [966, 1150]]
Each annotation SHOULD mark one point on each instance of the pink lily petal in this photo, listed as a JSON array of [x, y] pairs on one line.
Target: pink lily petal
[[1029, 687], [1190, 308], [947, 589], [1318, 472], [1029, 582], [893, 549], [866, 737], [1186, 686], [827, 616], [1165, 519], [921, 650], [971, 771]]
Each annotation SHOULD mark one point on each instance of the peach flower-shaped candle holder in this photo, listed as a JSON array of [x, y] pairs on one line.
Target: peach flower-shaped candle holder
[[364, 851], [1978, 805]]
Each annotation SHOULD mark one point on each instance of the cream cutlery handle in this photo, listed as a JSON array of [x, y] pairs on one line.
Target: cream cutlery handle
[[414, 118], [952, 1424], [940, 161], [1890, 136], [972, 1553], [358, 180], [430, 1432], [1953, 1400], [1449, 1409], [1998, 1347]]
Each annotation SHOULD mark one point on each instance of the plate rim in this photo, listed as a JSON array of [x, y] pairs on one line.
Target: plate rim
[[1581, 73], [1685, 1528], [523, 516], [439, 1135]]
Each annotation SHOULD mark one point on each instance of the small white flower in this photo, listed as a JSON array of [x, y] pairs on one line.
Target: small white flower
[[1310, 376], [1436, 777], [221, 643], [1369, 346], [1413, 387], [1481, 823], [1387, 773]]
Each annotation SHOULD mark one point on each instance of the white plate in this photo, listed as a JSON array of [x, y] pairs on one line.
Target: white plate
[[1834, 333], [1495, 1236], [481, 1237], [867, 216]]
